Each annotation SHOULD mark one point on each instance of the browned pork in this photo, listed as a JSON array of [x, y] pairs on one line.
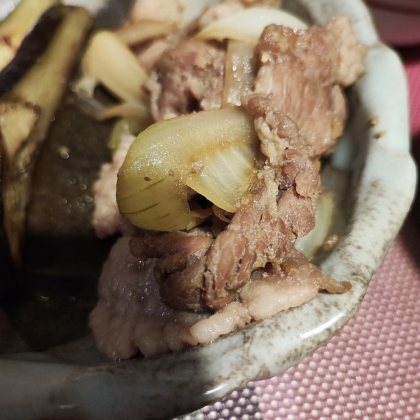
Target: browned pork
[[129, 315], [294, 282], [180, 265], [107, 219], [187, 78], [301, 73]]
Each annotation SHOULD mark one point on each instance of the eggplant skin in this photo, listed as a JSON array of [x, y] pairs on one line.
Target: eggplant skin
[[33, 45], [34, 101]]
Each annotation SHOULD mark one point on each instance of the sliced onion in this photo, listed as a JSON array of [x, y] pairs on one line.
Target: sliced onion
[[123, 127], [248, 24], [193, 9], [138, 110], [226, 174], [137, 32], [308, 245], [212, 152], [110, 62], [99, 111], [240, 70]]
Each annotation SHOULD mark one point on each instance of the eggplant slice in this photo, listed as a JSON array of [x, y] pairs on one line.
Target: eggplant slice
[[26, 113], [33, 45], [27, 110], [60, 258]]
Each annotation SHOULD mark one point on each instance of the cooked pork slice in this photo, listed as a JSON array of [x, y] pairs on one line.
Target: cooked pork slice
[[150, 53], [130, 316], [181, 280], [296, 282], [187, 78], [299, 169], [261, 232], [198, 273], [284, 148], [351, 51], [149, 56], [233, 315], [107, 219], [176, 242], [298, 72], [255, 236], [180, 266]]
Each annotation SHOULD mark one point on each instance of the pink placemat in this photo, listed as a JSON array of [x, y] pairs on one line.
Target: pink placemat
[[371, 368]]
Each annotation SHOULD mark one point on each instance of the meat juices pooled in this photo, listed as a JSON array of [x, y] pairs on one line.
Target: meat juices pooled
[[251, 269]]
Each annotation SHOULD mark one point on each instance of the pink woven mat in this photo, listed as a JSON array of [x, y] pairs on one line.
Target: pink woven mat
[[371, 369]]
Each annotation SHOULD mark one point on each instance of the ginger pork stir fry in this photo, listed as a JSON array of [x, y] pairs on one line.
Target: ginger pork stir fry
[[218, 263]]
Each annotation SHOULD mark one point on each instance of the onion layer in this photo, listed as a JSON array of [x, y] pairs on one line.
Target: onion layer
[[309, 244], [138, 32], [110, 62], [248, 24], [212, 152]]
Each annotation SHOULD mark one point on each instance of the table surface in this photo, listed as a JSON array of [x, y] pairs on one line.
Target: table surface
[[370, 369]]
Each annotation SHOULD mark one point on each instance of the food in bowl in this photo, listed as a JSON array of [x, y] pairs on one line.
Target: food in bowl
[[215, 194], [75, 377]]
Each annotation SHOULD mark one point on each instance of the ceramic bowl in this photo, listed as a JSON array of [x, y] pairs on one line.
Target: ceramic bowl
[[377, 184], [397, 20]]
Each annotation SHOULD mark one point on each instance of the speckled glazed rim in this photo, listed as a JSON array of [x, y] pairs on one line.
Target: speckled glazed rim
[[384, 177]]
